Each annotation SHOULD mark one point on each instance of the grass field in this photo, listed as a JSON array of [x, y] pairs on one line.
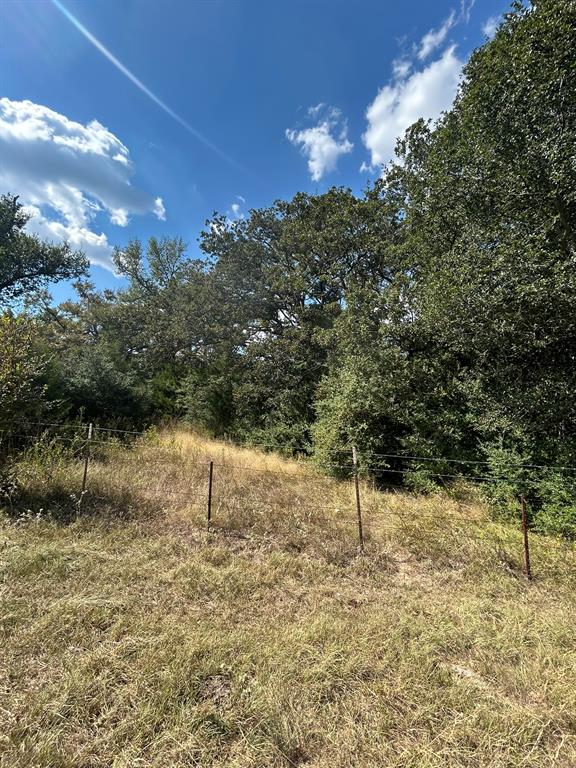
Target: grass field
[[132, 636]]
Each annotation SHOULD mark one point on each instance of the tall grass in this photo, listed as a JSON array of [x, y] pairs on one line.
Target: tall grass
[[133, 636]]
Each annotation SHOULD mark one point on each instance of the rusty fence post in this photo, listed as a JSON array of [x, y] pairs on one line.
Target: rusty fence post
[[357, 490], [86, 462], [210, 478], [526, 542]]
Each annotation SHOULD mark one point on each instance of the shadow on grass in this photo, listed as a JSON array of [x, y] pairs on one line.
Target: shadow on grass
[[58, 503]]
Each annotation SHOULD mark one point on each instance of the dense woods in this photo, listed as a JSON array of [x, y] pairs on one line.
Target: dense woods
[[434, 315]]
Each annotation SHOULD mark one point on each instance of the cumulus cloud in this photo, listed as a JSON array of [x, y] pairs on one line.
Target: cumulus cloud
[[423, 84], [490, 26], [323, 143], [67, 173], [425, 93], [95, 246], [435, 37]]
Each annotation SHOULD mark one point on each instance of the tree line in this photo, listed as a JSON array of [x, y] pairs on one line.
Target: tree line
[[433, 315]]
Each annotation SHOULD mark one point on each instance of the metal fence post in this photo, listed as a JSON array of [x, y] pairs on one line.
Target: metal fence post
[[86, 461], [210, 478], [526, 542], [357, 490]]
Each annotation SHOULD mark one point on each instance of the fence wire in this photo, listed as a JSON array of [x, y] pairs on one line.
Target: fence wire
[[238, 498]]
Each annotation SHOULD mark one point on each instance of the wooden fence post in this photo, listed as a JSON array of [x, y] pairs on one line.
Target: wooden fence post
[[86, 461], [357, 490], [526, 542], [210, 478]]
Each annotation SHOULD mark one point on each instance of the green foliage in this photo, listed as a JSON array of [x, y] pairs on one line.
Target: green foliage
[[206, 399], [164, 391], [96, 384], [509, 480], [491, 224], [550, 492], [474, 342], [557, 510], [22, 394], [432, 316], [26, 262]]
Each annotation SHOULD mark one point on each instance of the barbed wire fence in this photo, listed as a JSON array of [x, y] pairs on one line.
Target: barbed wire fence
[[87, 444]]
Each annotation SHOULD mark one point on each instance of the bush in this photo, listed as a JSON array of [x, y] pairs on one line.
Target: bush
[[557, 506], [550, 494]]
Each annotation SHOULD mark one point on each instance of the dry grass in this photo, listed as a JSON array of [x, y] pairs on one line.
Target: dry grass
[[132, 636]]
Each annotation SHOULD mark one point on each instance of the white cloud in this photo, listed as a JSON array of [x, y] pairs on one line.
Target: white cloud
[[67, 173], [119, 217], [426, 93], [235, 212], [95, 246], [490, 26], [316, 111], [323, 143], [435, 37], [401, 68], [466, 9]]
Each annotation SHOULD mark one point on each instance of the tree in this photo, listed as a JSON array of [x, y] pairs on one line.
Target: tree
[[434, 315], [491, 226], [26, 262], [284, 276], [22, 392], [474, 354]]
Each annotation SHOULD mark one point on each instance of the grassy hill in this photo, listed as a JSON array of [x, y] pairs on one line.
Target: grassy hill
[[133, 636]]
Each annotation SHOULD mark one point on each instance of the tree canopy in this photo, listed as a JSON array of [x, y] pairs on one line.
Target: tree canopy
[[433, 315], [28, 263]]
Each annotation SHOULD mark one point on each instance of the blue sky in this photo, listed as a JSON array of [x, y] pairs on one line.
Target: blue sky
[[286, 96]]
